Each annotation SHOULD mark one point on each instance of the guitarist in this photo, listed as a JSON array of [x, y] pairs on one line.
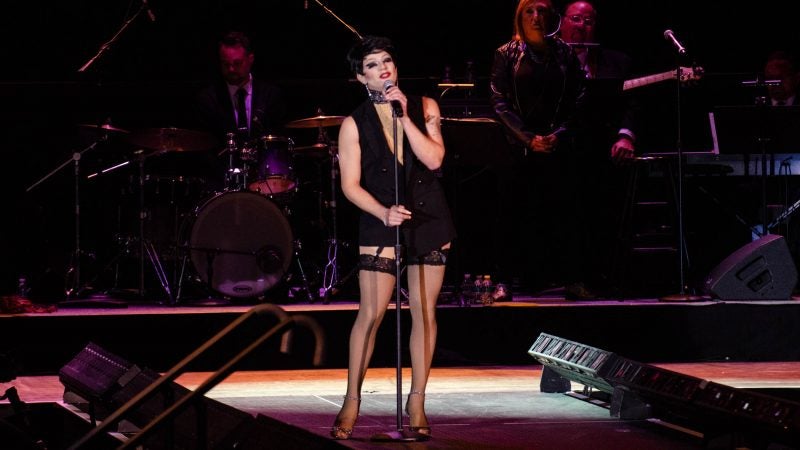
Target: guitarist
[[607, 142], [607, 68]]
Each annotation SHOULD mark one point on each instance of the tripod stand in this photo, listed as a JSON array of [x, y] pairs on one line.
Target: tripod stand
[[73, 283], [331, 281], [144, 245]]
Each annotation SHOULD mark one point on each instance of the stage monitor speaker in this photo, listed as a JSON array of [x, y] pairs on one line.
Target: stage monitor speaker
[[93, 376], [99, 382], [221, 421], [761, 270]]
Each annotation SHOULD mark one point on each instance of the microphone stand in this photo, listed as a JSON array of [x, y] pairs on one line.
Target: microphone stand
[[104, 48], [682, 295], [332, 14], [400, 434], [72, 289]]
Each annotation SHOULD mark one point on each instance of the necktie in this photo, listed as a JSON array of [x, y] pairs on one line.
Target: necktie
[[241, 108]]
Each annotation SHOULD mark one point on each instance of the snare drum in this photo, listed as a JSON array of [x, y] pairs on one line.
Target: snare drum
[[242, 242], [273, 172]]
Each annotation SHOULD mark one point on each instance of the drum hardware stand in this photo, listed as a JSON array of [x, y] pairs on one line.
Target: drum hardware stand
[[330, 274], [235, 177], [298, 246], [145, 245], [73, 285]]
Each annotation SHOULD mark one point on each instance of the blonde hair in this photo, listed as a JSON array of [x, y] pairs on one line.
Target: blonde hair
[[518, 34]]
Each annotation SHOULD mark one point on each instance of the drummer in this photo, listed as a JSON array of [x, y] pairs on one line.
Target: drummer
[[238, 102]]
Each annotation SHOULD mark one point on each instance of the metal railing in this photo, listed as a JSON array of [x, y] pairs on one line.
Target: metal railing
[[285, 326]]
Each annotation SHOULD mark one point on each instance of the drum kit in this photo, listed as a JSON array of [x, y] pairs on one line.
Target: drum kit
[[237, 240]]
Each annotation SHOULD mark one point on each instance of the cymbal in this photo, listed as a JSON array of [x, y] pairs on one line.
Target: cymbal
[[315, 122], [312, 148], [103, 128], [165, 140]]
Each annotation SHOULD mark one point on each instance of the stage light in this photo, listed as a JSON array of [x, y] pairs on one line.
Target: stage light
[[574, 361], [643, 391]]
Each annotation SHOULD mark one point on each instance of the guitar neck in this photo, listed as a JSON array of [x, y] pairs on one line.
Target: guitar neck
[[650, 79]]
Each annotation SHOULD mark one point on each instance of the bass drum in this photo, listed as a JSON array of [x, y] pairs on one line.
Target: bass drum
[[242, 242]]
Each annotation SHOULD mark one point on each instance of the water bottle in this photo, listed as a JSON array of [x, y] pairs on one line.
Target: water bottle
[[447, 76], [22, 287], [487, 289], [477, 289], [465, 296], [470, 75]]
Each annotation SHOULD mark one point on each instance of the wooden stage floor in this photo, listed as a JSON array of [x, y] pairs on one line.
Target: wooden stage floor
[[468, 407]]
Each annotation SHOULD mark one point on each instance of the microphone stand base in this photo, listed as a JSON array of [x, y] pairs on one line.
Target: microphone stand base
[[682, 298], [399, 436]]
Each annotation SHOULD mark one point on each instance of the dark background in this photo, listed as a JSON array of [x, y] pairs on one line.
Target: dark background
[[150, 75]]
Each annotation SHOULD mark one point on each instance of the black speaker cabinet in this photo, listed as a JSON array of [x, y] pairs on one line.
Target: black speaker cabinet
[[99, 383], [760, 270]]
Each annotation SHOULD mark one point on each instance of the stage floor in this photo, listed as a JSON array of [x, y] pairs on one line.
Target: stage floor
[[495, 407]]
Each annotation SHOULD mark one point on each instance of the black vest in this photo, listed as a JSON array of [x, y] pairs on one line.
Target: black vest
[[420, 191]]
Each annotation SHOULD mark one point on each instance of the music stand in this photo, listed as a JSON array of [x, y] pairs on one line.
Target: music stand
[[739, 129]]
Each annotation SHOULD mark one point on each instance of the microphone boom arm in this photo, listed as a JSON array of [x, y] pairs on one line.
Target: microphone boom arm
[[327, 10], [107, 45]]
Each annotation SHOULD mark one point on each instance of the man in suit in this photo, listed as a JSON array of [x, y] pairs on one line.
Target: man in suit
[[781, 66], [237, 102], [607, 68], [607, 138]]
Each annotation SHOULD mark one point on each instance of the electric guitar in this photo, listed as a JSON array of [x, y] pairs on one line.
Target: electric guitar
[[687, 74]]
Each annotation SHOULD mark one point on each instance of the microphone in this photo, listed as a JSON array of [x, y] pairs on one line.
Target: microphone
[[149, 11], [396, 107], [670, 36]]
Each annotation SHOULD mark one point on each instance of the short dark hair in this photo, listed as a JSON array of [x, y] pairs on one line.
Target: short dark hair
[[783, 55], [234, 39], [367, 46]]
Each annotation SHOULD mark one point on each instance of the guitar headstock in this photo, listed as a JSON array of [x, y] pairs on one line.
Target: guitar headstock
[[691, 73]]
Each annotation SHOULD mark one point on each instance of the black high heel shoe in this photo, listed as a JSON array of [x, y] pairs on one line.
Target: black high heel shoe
[[340, 432], [423, 430]]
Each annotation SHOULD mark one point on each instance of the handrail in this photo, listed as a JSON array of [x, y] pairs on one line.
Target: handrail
[[284, 325]]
